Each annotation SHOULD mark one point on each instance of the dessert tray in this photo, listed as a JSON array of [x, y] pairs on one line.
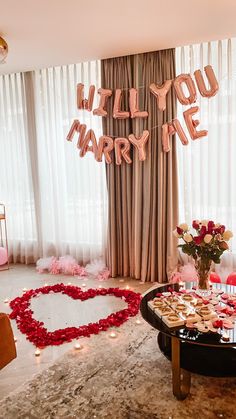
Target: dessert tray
[[188, 309]]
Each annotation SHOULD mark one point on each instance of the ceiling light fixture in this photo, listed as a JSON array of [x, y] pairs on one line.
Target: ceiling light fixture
[[3, 50]]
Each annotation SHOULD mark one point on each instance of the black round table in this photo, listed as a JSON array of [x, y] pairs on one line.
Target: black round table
[[190, 350]]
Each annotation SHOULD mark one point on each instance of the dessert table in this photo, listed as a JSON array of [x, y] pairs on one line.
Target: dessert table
[[190, 350]]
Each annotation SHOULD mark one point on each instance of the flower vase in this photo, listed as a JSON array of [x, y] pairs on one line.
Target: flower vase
[[203, 268]]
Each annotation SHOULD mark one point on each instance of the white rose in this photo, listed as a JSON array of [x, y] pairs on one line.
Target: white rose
[[184, 226], [188, 238], [227, 235], [176, 234], [207, 238], [204, 223]]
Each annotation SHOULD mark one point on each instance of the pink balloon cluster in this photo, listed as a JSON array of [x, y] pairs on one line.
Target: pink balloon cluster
[[3, 256]]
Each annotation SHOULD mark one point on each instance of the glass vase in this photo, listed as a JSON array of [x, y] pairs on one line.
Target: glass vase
[[203, 268]]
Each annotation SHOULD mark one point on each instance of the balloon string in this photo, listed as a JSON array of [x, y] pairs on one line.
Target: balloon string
[[151, 129], [147, 86]]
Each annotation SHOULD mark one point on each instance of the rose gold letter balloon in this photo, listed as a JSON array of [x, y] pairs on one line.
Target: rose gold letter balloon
[[74, 128], [122, 149], [85, 103], [160, 93], [193, 123], [179, 130], [104, 95], [105, 146], [85, 147], [214, 86], [139, 143], [187, 79], [169, 129], [117, 113], [134, 106], [77, 127]]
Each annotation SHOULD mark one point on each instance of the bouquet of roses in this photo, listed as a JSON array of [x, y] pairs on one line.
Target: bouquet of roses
[[208, 242]]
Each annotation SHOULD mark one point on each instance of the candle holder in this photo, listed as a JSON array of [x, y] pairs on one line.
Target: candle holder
[[3, 235]]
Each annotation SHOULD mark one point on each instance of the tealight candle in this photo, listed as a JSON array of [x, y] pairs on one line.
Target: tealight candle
[[24, 289], [84, 285], [37, 352], [138, 321], [68, 283], [112, 335], [127, 287], [6, 301], [100, 286], [78, 346], [15, 339], [45, 285]]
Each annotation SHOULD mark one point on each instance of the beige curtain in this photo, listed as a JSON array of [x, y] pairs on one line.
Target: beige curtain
[[143, 198]]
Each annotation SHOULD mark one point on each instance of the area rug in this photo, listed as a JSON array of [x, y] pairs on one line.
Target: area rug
[[126, 377]]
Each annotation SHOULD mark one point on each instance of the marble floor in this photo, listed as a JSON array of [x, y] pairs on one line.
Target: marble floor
[[56, 311]]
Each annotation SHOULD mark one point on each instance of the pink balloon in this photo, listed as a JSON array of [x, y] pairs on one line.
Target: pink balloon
[[187, 79], [104, 95], [192, 124], [82, 103], [85, 147], [160, 93], [122, 149], [169, 129], [105, 146], [117, 113], [214, 86], [134, 106], [139, 143], [3, 256]]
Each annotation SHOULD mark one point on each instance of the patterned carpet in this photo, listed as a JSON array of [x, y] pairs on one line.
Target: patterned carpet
[[122, 378]]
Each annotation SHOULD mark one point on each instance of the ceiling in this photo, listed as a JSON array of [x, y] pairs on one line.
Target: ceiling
[[53, 32]]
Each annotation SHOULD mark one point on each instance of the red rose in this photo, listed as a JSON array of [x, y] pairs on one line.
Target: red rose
[[179, 231], [203, 231], [210, 227], [195, 224], [197, 239], [218, 323], [222, 229]]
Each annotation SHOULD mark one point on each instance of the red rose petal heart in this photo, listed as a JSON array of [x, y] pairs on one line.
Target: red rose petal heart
[[39, 335]]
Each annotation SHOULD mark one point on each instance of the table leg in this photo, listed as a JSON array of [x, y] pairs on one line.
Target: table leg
[[181, 379]]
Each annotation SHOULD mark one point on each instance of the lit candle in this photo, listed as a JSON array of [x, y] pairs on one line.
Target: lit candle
[[138, 321], [15, 339], [113, 335], [45, 285], [24, 289], [69, 283], [37, 352], [84, 285], [78, 346], [127, 287], [6, 301], [100, 286]]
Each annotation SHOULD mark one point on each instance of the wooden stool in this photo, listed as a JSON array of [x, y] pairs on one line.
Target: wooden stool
[[3, 235]]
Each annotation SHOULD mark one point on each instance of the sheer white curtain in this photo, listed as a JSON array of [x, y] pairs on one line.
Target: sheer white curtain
[[207, 168], [16, 188], [56, 201], [73, 197]]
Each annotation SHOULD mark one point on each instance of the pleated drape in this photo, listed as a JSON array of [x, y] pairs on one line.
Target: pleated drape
[[143, 196]]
